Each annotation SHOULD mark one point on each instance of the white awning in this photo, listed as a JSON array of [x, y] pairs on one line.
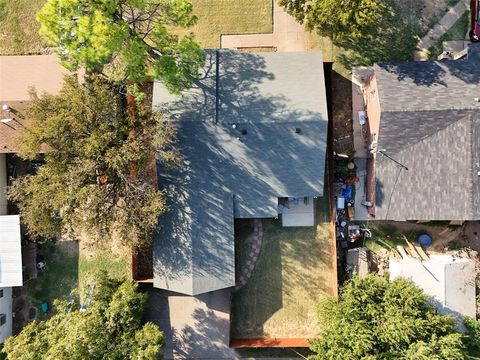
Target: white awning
[[10, 251]]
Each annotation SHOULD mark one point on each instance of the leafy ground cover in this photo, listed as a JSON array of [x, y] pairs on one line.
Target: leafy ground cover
[[293, 272]]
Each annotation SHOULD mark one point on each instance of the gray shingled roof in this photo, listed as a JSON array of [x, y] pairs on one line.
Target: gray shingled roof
[[267, 95], [429, 123]]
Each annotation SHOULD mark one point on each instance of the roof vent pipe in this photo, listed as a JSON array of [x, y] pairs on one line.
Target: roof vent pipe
[[298, 130]]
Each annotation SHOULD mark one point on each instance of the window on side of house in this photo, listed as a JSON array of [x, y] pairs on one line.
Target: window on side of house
[[1, 293], [3, 319]]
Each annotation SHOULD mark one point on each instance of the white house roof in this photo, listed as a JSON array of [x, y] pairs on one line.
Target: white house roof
[[10, 251], [449, 281]]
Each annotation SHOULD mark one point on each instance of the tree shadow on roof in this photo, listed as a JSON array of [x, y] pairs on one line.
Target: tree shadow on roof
[[261, 158]]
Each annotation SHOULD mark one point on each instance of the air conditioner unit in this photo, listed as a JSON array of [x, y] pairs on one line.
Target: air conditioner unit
[[362, 117]]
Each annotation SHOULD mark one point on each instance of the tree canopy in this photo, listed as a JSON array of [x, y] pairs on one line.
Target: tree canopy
[[132, 37], [97, 178], [365, 31], [379, 319], [334, 18], [109, 328]]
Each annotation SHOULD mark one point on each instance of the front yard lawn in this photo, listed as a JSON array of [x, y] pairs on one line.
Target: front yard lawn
[[19, 28], [293, 271], [216, 17]]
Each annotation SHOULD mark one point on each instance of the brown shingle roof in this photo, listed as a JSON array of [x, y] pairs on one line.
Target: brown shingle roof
[[10, 132], [17, 75]]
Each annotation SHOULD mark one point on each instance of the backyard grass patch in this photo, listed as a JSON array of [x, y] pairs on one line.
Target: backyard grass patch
[[19, 28], [216, 17], [116, 266], [67, 269], [61, 275], [293, 272]]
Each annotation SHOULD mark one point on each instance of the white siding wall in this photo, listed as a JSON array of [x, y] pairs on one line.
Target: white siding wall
[[6, 300], [6, 308]]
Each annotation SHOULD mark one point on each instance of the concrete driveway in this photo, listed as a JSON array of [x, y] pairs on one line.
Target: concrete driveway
[[195, 327]]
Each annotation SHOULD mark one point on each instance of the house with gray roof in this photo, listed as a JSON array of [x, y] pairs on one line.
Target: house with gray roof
[[424, 120], [251, 130]]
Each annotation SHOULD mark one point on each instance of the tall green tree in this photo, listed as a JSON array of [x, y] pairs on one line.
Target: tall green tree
[[336, 19], [365, 31], [129, 39], [86, 184], [379, 319], [109, 328]]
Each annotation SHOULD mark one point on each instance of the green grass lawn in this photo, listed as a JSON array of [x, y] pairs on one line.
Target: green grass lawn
[[216, 17], [67, 268], [293, 271], [19, 28], [457, 32]]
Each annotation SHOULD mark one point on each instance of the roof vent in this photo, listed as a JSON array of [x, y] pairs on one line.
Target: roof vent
[[477, 99], [244, 132], [234, 126], [5, 108], [298, 130]]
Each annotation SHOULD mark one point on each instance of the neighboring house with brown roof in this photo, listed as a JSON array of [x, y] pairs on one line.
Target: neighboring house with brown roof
[[424, 120], [19, 74]]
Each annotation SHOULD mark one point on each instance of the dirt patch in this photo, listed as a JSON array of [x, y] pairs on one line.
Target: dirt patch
[[341, 103], [89, 248], [69, 247]]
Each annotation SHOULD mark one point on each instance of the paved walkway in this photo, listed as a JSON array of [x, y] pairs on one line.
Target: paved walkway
[[255, 247], [288, 35], [445, 23]]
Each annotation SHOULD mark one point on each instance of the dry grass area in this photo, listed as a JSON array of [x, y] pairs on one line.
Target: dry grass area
[[293, 272], [19, 28], [217, 17]]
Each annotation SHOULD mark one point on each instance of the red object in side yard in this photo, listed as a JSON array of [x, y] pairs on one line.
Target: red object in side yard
[[475, 23], [269, 343]]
